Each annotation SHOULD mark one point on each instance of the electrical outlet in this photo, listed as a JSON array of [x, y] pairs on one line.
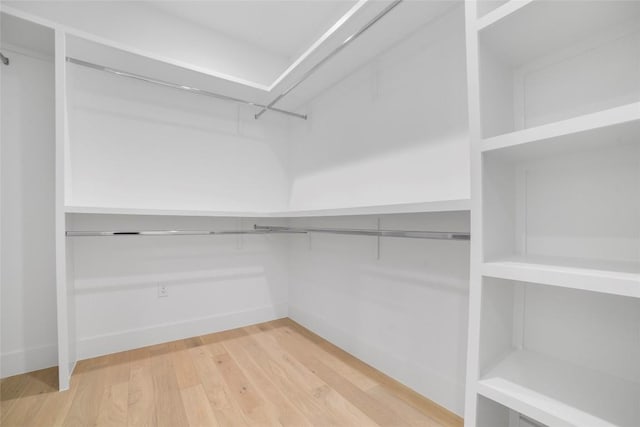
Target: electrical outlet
[[163, 291]]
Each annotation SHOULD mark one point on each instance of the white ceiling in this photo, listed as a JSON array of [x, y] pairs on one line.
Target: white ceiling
[[286, 28]]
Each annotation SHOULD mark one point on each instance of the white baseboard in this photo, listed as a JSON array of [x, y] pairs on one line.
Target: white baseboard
[[432, 385], [27, 360], [157, 334]]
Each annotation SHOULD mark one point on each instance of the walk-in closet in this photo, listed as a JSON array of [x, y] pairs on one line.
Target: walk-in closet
[[320, 212]]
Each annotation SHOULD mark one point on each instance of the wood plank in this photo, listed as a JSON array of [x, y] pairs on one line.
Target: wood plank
[[11, 389], [141, 401], [85, 407], [185, 370], [114, 405], [330, 355], [289, 382], [368, 405], [55, 408], [225, 409], [332, 402], [416, 400], [36, 389], [168, 401], [196, 404], [277, 373], [287, 414], [409, 415]]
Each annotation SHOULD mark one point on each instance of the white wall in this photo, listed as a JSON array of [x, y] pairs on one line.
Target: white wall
[[153, 31], [214, 282], [405, 313], [137, 145], [394, 131], [28, 290]]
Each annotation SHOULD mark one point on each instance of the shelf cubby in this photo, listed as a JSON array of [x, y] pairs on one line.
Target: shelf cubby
[[560, 356], [583, 59], [493, 414], [566, 211]]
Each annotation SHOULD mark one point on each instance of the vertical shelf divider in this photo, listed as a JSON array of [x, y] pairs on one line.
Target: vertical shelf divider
[[66, 356]]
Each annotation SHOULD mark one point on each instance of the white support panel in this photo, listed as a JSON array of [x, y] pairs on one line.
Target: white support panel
[[66, 356]]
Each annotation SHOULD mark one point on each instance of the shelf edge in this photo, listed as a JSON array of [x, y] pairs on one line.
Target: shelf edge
[[585, 123], [613, 283]]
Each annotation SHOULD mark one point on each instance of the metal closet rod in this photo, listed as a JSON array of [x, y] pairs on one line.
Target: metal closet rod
[[333, 53], [161, 233], [267, 229], [410, 234], [178, 86]]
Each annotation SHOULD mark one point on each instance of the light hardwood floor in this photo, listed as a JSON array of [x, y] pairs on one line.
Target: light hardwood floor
[[271, 374]]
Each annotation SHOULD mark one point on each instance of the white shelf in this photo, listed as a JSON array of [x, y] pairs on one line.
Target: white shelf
[[561, 394], [419, 207], [166, 212], [501, 12], [509, 28], [617, 278], [612, 124]]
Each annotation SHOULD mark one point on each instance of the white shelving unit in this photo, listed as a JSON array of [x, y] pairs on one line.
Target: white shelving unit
[[555, 262], [559, 393]]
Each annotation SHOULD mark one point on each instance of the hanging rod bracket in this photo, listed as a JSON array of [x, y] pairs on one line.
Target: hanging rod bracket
[[4, 59]]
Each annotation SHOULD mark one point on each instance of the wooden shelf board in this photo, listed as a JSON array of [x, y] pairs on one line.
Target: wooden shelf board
[[612, 124], [617, 278], [558, 393], [419, 207]]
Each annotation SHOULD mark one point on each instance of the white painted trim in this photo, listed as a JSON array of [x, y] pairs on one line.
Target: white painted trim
[[27, 360], [89, 347]]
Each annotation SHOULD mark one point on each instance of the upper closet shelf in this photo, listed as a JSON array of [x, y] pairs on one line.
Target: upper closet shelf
[[162, 212], [382, 32], [402, 208], [419, 207], [556, 25], [608, 125]]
